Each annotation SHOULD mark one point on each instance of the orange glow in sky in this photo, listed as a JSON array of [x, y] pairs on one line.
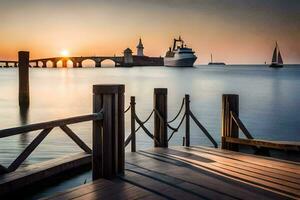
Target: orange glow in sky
[[233, 31]]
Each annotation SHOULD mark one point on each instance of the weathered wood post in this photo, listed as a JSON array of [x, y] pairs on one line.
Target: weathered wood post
[[108, 134], [160, 125], [121, 129], [23, 78], [230, 103], [187, 120], [133, 139]]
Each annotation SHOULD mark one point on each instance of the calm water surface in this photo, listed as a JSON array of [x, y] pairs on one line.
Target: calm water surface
[[269, 102]]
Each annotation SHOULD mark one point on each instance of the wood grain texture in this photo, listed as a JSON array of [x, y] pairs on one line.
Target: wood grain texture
[[27, 176], [195, 173]]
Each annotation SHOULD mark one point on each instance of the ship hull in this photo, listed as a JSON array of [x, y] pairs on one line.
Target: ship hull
[[184, 62], [276, 65], [217, 63]]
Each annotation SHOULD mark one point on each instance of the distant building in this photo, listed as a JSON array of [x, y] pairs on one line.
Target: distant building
[[140, 59], [140, 48], [128, 59]]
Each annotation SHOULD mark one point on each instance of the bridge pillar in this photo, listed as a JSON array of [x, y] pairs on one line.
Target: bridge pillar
[[74, 64], [64, 63], [6, 64], [37, 64], [44, 63], [98, 63], [79, 64], [15, 64], [54, 64]]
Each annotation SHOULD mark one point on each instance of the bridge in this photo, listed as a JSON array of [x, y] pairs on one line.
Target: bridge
[[8, 63], [127, 60], [120, 61], [77, 61]]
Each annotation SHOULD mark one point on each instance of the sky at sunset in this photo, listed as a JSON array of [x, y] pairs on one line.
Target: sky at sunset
[[235, 31]]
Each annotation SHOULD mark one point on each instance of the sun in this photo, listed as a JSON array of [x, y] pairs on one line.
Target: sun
[[65, 53]]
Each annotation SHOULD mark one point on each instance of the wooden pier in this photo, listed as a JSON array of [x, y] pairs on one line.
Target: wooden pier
[[195, 173], [188, 172]]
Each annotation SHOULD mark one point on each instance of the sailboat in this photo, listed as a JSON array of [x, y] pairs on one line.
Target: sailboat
[[277, 61]]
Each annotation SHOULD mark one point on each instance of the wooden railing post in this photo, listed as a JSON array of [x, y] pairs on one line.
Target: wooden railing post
[[23, 78], [160, 126], [187, 120], [121, 129], [133, 139], [230, 103], [108, 134]]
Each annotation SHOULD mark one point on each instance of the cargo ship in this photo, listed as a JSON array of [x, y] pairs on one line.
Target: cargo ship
[[180, 55]]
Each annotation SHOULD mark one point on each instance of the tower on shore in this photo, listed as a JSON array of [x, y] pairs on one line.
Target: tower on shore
[[140, 48], [128, 59]]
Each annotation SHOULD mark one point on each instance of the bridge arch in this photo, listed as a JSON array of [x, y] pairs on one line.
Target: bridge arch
[[49, 63], [108, 62], [65, 63], [70, 63], [40, 63], [88, 63], [59, 64]]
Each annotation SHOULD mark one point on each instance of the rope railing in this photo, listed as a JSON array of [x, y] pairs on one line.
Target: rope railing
[[164, 123], [144, 128], [176, 129], [127, 141], [145, 121], [177, 115], [127, 109]]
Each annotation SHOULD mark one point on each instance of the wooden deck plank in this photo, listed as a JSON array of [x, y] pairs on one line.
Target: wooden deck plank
[[190, 173], [164, 189], [14, 181], [218, 166], [290, 166], [237, 175], [182, 184], [288, 176], [209, 180], [83, 190]]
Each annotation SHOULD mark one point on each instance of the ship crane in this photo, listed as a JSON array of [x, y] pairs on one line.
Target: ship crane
[[175, 42]]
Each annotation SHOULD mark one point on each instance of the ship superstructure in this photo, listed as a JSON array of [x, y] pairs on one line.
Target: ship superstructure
[[180, 55]]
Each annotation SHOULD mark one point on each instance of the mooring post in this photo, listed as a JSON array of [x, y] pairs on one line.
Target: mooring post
[[160, 125], [108, 134], [133, 139], [187, 120], [230, 103], [23, 78]]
